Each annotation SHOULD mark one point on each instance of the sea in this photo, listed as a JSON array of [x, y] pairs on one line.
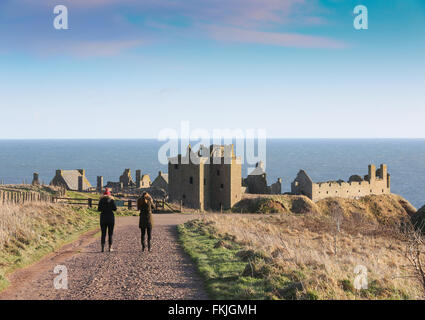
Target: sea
[[322, 159]]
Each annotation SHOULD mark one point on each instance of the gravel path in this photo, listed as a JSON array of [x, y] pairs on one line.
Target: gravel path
[[127, 273]]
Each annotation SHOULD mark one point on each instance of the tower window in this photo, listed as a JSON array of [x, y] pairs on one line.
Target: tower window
[[221, 186], [176, 166], [191, 180], [218, 172]]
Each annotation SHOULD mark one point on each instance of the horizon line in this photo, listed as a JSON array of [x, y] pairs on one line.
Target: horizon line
[[271, 138]]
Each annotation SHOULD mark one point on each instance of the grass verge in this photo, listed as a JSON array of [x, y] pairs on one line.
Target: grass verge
[[29, 232], [296, 257], [230, 270]]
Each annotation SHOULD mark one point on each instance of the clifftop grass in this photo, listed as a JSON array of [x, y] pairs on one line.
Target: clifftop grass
[[377, 208], [28, 232], [297, 257]]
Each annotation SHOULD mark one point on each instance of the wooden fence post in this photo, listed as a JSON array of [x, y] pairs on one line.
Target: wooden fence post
[[90, 200]]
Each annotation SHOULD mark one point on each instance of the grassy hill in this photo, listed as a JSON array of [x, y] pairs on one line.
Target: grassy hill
[[379, 208], [309, 251]]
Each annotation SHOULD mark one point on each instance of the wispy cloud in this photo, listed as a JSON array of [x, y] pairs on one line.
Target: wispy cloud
[[274, 38], [238, 12], [97, 26]]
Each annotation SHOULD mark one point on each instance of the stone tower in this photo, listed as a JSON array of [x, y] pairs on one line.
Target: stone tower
[[35, 179], [207, 179]]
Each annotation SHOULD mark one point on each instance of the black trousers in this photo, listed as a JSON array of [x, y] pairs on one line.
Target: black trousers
[[146, 229], [107, 228]]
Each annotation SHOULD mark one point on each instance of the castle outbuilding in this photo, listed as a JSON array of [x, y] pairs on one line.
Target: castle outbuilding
[[142, 180], [208, 179], [126, 179], [161, 181], [256, 182], [74, 180], [375, 182]]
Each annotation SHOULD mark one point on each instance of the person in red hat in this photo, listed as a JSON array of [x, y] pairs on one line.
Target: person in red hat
[[107, 207]]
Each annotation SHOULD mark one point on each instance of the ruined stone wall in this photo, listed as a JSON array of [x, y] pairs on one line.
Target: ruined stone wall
[[276, 188], [349, 189], [126, 179], [145, 181], [375, 182], [257, 184], [302, 185]]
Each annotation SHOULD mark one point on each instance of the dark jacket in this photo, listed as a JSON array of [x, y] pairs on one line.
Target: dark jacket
[[145, 205], [107, 207]]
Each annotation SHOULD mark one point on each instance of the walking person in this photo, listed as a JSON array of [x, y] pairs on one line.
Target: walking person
[[107, 218], [145, 206]]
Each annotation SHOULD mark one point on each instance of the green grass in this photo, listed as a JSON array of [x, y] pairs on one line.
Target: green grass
[[231, 271], [122, 211], [51, 233], [83, 195]]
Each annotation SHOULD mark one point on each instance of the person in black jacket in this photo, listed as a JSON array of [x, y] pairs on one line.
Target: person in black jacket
[[107, 219], [145, 205]]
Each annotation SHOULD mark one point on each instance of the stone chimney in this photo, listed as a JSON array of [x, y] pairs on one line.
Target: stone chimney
[[372, 172], [383, 171], [99, 183], [80, 183], [138, 178], [35, 179]]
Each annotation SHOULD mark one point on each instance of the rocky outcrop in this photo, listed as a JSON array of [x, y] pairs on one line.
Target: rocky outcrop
[[385, 208]]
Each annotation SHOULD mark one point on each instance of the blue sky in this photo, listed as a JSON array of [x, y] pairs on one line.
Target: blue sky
[[129, 68]]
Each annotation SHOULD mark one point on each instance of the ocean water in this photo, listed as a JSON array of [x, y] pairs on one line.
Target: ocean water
[[322, 159]]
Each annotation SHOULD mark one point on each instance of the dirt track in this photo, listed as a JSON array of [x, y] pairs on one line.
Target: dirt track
[[126, 273]]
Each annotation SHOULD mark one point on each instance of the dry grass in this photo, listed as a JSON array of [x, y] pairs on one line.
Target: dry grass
[[306, 245], [29, 231], [385, 208], [23, 222]]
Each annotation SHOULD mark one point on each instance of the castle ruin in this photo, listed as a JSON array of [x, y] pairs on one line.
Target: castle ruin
[[375, 182], [161, 181], [256, 182], [126, 179], [74, 180], [208, 179]]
